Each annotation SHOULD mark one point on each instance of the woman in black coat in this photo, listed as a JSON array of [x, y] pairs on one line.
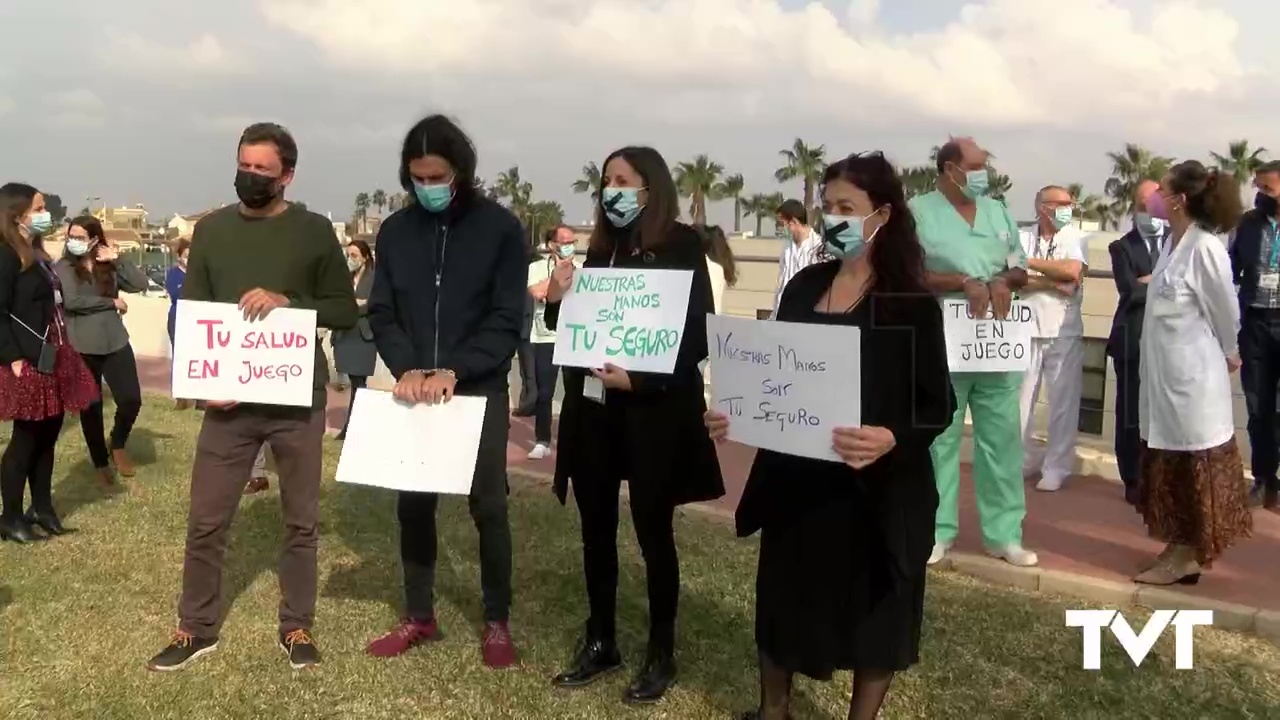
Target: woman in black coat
[[843, 545], [647, 430]]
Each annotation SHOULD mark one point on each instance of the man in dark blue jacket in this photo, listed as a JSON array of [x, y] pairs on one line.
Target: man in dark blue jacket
[[446, 310], [1255, 268], [1133, 257]]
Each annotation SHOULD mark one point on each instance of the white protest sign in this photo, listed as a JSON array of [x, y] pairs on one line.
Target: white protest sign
[[785, 386], [414, 448], [218, 355], [987, 344], [633, 319]]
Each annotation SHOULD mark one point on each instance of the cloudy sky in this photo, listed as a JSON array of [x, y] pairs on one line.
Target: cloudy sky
[[141, 101]]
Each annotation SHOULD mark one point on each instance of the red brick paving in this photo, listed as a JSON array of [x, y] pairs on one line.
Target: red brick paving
[[1085, 528]]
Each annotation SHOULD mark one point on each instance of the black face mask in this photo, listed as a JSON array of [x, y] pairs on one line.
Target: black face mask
[[1266, 204], [254, 190]]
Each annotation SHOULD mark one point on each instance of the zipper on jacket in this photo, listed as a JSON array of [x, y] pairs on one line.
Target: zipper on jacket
[[435, 341]]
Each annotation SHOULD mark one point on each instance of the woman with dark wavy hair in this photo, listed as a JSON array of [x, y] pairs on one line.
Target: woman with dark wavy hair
[[841, 577]]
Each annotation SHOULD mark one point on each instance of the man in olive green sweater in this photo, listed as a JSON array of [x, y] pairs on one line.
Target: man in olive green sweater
[[262, 254]]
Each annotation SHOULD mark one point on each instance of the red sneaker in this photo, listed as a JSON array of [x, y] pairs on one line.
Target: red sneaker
[[408, 634], [497, 647]]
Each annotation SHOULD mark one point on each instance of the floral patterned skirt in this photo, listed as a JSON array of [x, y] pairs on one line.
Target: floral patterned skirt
[[1195, 498], [34, 396]]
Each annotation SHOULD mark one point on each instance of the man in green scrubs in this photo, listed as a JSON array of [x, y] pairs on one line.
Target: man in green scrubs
[[972, 251]]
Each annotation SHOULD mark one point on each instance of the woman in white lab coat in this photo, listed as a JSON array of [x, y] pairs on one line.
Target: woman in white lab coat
[[1193, 492]]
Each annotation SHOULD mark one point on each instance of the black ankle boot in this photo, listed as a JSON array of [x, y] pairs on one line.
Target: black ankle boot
[[655, 678], [46, 519], [17, 530], [597, 657]]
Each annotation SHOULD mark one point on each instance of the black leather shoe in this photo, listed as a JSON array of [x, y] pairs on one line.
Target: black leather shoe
[[18, 530], [47, 520], [654, 680], [595, 659]]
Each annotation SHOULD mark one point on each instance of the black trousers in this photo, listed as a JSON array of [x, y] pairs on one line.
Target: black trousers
[[1259, 377], [597, 500], [29, 455], [545, 376], [488, 504], [528, 376], [1128, 435], [357, 382], [119, 370]]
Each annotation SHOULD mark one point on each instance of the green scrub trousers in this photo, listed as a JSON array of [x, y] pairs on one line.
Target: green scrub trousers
[[997, 459]]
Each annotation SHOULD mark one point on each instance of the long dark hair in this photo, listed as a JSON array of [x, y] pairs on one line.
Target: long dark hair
[[438, 135], [897, 260], [1213, 197], [716, 247], [15, 201], [661, 208], [88, 269]]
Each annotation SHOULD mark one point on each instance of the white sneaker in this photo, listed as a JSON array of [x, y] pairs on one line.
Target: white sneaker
[[1015, 555], [1049, 484], [939, 552], [539, 452]]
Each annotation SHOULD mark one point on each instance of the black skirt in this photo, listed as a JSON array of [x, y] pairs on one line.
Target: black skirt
[[831, 594]]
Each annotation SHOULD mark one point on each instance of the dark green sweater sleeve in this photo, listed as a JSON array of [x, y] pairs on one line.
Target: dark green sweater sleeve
[[332, 296]]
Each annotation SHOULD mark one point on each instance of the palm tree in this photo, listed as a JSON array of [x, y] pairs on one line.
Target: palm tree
[[1129, 167], [378, 199], [543, 215], [589, 182], [918, 180], [762, 206], [731, 187], [1240, 162], [997, 185], [806, 163], [517, 192], [696, 181], [362, 205], [1095, 208]]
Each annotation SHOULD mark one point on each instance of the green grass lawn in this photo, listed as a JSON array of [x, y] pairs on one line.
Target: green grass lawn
[[81, 614]]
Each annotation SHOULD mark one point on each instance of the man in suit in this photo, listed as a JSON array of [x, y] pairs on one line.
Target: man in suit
[[1133, 257], [1255, 269]]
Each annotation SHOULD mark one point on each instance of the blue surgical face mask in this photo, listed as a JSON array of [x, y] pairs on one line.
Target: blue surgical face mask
[[41, 222], [77, 246], [621, 205], [1061, 217], [976, 183], [844, 235], [1148, 226], [565, 251], [354, 264], [435, 198]]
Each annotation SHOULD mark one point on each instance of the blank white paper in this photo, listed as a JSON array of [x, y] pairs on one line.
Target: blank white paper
[[414, 448]]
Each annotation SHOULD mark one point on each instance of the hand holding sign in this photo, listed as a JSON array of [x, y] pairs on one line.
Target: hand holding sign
[[561, 279], [861, 446], [978, 295], [438, 387], [717, 425], [258, 303], [1001, 298], [613, 377]]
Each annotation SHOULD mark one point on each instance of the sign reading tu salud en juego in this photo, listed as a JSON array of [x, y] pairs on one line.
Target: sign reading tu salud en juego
[[633, 319], [985, 344], [218, 355], [785, 386]]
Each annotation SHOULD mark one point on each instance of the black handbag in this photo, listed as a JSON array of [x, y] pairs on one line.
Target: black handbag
[[48, 352]]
